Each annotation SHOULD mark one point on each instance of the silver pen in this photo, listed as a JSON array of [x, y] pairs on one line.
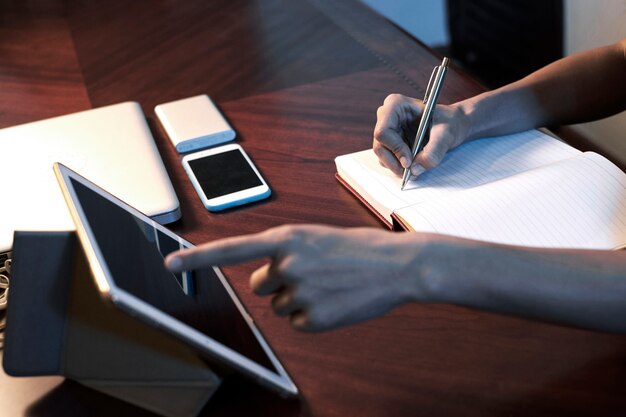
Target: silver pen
[[430, 100]]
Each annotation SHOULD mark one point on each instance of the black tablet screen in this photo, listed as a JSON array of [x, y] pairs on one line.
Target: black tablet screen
[[133, 251]]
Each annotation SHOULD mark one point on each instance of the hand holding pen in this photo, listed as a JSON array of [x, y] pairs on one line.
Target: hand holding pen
[[397, 125]]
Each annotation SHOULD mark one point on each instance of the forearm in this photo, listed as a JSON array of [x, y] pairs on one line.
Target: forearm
[[578, 88], [579, 287]]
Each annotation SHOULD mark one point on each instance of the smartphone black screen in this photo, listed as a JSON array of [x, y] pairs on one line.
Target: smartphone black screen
[[224, 173]]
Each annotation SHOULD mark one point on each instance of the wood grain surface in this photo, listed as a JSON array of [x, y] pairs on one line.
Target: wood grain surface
[[300, 81]]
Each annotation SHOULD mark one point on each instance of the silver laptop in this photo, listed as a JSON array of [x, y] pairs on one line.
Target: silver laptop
[[111, 146]]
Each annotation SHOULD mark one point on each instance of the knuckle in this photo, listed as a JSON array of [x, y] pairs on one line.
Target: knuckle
[[276, 302], [378, 149], [393, 99], [316, 320], [302, 322], [430, 160], [378, 131], [384, 143], [289, 268], [395, 147], [280, 303]]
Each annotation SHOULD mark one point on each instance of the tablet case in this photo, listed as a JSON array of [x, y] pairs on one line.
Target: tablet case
[[57, 324]]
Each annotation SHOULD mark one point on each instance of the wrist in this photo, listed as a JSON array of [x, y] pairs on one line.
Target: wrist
[[431, 272], [472, 118], [503, 111]]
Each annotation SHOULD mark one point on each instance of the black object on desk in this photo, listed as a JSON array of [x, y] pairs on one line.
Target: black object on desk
[[57, 324]]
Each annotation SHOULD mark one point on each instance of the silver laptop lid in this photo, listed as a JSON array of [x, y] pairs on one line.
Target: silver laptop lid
[[110, 145]]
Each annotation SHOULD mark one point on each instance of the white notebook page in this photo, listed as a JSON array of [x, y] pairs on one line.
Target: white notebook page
[[575, 203], [472, 164]]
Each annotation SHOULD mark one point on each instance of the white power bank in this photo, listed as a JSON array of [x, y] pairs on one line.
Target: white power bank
[[194, 123]]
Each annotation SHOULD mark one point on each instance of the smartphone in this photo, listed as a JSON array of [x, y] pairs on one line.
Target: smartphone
[[225, 177]]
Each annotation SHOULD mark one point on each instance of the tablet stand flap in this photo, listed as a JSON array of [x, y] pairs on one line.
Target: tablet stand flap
[[108, 350], [36, 311]]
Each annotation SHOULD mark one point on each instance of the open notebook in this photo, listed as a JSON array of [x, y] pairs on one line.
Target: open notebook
[[524, 189]]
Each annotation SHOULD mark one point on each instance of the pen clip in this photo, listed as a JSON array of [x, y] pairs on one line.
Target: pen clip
[[429, 86]]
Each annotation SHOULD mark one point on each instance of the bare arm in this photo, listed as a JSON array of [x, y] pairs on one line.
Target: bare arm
[[579, 287], [578, 88], [324, 277]]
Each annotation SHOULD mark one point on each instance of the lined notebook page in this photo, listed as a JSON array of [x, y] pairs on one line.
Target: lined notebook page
[[575, 203], [472, 164]]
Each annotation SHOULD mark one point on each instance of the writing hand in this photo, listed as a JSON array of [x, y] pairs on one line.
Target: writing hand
[[322, 277], [396, 126]]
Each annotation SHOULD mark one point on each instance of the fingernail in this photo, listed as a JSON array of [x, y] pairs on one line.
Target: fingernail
[[417, 170], [404, 161], [175, 263]]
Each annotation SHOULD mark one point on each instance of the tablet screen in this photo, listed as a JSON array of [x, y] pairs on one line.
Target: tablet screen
[[133, 251]]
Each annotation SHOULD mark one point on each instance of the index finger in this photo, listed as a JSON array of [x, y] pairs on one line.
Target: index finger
[[225, 251]]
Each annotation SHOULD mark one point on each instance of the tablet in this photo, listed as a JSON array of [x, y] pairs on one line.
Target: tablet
[[125, 250]]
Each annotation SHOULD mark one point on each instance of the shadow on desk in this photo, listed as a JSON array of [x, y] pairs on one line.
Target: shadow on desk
[[72, 399], [552, 398], [236, 396]]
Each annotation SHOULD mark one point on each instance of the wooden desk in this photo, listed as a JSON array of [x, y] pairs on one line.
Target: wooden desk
[[300, 81]]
